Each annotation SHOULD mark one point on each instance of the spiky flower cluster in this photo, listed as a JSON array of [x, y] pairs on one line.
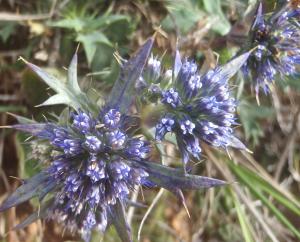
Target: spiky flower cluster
[[197, 108], [276, 40], [92, 162], [92, 169]]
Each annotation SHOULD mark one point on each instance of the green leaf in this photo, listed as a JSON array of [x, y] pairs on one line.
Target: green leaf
[[67, 93], [87, 24], [107, 20], [221, 24], [6, 30], [12, 108], [77, 24], [72, 76], [244, 222], [55, 100], [268, 188], [90, 43], [22, 120]]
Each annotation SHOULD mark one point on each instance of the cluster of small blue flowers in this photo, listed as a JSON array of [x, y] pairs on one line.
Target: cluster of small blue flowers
[[92, 163], [276, 40], [197, 108], [93, 168]]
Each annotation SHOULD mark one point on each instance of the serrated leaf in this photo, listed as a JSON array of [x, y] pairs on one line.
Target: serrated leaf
[[171, 178], [31, 188], [67, 93], [107, 20], [85, 24], [122, 92], [117, 216], [21, 119], [90, 43]]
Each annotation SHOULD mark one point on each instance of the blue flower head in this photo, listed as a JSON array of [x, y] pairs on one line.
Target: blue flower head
[[199, 107], [275, 40], [92, 168]]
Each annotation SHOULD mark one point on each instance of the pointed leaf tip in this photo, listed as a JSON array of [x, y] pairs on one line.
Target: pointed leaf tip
[[171, 178], [177, 64], [31, 128], [230, 69], [123, 90], [259, 15], [72, 75]]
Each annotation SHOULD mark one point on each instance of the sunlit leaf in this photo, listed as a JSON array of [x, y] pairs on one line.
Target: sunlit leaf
[[67, 93]]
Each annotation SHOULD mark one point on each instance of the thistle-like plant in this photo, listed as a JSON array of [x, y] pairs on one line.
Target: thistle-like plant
[[192, 105], [276, 42], [96, 158]]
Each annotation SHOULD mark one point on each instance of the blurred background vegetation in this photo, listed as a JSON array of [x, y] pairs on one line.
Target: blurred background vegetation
[[263, 202]]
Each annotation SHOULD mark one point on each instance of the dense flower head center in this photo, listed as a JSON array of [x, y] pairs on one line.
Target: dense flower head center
[[197, 107], [93, 167]]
